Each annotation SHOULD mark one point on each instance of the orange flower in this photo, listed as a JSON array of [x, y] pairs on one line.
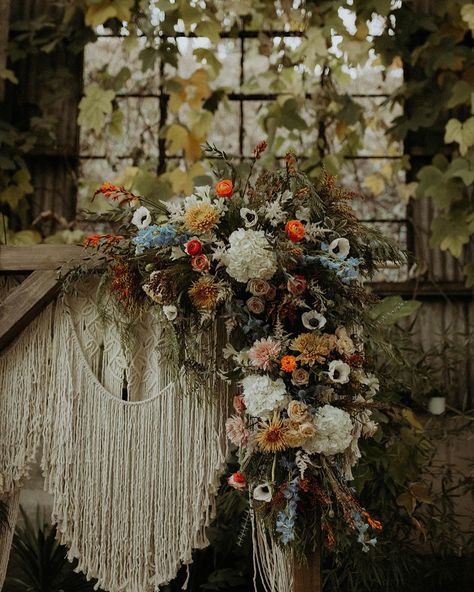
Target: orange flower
[[94, 240], [375, 524], [225, 188], [295, 230], [288, 363]]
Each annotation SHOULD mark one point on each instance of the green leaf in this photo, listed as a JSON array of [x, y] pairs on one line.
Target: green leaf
[[206, 55], [99, 12], [8, 74], [450, 232], [460, 93], [460, 167], [462, 133], [148, 57], [116, 124], [289, 117], [468, 271], [25, 237], [209, 29], [467, 13], [437, 185], [393, 308], [120, 79], [94, 107], [18, 187]]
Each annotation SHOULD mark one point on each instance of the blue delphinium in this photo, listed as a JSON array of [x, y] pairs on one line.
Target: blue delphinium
[[285, 522], [346, 268], [362, 528], [155, 236]]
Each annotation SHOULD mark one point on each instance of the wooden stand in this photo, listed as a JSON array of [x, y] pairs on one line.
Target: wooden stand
[[26, 301], [307, 577]]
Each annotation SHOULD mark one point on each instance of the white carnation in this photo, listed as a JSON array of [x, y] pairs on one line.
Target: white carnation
[[262, 395], [333, 432], [249, 256]]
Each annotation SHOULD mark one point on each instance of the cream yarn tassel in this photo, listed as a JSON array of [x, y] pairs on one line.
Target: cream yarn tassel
[[270, 562], [133, 482]]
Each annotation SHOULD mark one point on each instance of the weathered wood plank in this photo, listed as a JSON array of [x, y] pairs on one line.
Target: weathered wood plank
[[36, 257], [307, 577], [25, 302]]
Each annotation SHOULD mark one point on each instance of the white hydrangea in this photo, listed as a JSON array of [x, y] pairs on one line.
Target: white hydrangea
[[249, 256], [262, 395], [333, 432]]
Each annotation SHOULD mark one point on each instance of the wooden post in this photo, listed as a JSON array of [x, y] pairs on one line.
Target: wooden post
[[307, 577]]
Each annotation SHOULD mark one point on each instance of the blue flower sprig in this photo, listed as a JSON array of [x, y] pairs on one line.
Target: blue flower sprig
[[346, 268], [285, 522], [154, 236]]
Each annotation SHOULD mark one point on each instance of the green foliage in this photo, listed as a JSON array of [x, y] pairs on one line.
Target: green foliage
[[437, 99], [39, 562]]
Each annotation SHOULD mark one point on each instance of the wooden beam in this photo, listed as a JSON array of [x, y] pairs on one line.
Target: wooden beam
[[30, 258], [25, 302]]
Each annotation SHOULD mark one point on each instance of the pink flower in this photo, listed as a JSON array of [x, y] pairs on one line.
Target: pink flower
[[239, 404], [200, 263], [297, 285], [264, 352], [236, 430], [237, 481]]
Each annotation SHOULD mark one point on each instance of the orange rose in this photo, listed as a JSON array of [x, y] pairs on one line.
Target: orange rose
[[288, 363], [295, 230], [225, 188]]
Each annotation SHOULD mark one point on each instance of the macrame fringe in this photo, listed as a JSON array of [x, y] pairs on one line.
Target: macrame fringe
[[134, 482], [272, 565]]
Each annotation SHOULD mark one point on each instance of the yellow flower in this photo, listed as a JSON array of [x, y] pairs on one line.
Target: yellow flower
[[201, 218], [206, 293], [313, 348], [272, 435]]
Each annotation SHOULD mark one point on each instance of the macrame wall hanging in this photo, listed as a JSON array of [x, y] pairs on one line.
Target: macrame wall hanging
[[134, 482]]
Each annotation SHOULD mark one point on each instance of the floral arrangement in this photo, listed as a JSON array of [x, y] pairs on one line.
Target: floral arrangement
[[281, 261]]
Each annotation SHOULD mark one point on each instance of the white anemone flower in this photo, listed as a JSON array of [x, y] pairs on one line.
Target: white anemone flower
[[250, 217], [263, 492], [339, 371], [340, 247], [313, 320], [141, 217], [170, 311]]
